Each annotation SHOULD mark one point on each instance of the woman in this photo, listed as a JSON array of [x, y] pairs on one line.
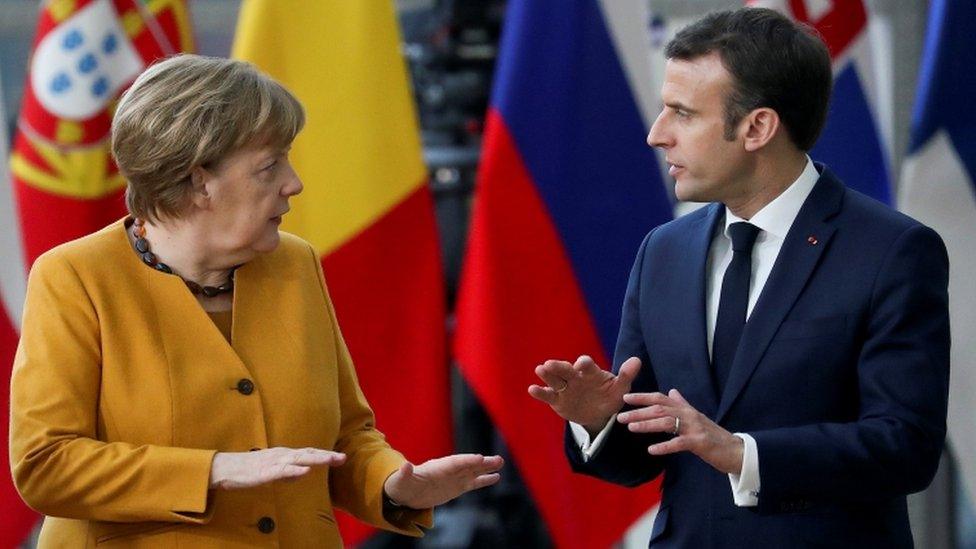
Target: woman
[[181, 379]]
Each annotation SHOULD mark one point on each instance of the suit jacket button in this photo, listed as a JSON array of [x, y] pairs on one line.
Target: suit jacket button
[[266, 525], [245, 386]]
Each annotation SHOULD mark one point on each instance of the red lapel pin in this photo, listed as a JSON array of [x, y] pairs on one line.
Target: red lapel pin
[[812, 240]]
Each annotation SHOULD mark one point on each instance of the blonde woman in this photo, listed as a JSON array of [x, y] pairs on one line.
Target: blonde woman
[[181, 379]]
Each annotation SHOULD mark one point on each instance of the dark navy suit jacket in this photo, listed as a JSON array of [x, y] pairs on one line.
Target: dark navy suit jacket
[[841, 377]]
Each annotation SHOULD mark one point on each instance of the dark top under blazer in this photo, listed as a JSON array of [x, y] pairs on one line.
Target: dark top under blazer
[[842, 378]]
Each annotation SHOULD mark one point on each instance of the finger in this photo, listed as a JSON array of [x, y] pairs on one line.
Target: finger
[[674, 394], [647, 399], [291, 471], [559, 368], [585, 365], [462, 462], [650, 412], [491, 464], [545, 394], [628, 371], [659, 425], [316, 458], [331, 457], [494, 462], [672, 446], [483, 481], [552, 379]]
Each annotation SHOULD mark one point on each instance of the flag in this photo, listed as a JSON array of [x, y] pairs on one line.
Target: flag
[[86, 52], [938, 188], [852, 143], [18, 518], [366, 207], [62, 182], [566, 190]]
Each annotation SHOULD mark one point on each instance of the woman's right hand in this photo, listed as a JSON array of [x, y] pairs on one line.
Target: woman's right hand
[[236, 470]]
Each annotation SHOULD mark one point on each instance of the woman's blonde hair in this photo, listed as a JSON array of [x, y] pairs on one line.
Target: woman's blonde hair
[[188, 111]]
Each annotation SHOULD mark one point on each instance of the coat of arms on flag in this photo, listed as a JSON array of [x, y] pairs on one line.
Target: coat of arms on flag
[[86, 52]]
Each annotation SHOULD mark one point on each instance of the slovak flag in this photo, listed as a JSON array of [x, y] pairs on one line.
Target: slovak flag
[[938, 188], [567, 188], [854, 143]]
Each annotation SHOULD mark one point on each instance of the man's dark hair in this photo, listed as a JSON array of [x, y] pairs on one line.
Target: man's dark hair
[[774, 63]]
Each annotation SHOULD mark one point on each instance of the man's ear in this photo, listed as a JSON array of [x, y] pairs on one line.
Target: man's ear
[[759, 127], [200, 180]]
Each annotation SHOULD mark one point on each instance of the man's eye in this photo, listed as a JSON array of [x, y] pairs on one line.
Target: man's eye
[[270, 166]]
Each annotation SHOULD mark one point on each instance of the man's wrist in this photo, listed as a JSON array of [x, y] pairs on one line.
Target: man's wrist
[[594, 429], [736, 456]]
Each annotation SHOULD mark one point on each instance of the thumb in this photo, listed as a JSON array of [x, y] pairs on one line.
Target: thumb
[[406, 470], [628, 371]]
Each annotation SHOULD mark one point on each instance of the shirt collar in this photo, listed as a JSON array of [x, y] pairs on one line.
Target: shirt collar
[[776, 217]]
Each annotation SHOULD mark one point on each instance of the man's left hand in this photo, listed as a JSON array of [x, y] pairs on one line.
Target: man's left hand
[[696, 433]]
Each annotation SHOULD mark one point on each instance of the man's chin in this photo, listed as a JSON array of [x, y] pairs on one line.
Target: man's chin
[[686, 192]]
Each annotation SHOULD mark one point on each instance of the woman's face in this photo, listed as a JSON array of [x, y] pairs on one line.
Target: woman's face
[[246, 195]]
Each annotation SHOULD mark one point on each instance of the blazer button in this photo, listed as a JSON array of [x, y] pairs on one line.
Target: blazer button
[[245, 386], [266, 525]]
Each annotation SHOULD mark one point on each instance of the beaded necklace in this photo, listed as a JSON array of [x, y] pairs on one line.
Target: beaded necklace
[[149, 258]]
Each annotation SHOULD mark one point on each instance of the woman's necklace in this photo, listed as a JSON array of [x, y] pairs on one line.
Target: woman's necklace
[[149, 258]]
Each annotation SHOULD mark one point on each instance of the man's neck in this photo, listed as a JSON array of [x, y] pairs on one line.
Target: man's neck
[[768, 182]]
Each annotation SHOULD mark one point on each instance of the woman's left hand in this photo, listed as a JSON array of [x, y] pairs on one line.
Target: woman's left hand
[[440, 480]]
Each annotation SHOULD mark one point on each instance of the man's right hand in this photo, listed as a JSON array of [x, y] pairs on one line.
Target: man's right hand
[[583, 392]]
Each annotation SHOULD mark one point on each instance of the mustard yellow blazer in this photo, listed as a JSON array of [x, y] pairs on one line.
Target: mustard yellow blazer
[[123, 390]]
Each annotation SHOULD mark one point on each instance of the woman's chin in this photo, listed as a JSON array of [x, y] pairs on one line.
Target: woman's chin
[[268, 242]]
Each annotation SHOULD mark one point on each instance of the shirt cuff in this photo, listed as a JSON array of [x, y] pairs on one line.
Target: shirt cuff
[[745, 485], [587, 447]]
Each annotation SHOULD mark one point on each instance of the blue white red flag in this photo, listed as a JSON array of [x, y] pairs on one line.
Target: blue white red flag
[[853, 142], [938, 188], [567, 188]]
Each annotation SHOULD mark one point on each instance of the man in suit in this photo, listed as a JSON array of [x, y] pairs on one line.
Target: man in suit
[[783, 352]]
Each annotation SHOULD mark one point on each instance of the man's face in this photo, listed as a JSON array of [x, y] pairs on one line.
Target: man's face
[[691, 130]]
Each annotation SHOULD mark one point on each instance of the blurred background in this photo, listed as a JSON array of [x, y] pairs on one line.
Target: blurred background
[[449, 51]]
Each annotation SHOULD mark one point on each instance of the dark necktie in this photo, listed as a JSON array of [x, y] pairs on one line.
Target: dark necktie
[[733, 302]]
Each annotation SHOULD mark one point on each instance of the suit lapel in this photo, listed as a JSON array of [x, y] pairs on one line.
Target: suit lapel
[[797, 260], [692, 309]]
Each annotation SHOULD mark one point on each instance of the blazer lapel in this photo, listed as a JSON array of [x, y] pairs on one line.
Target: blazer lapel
[[795, 264], [692, 314]]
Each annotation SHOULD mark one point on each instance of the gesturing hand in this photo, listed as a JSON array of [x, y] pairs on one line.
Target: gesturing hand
[[583, 392], [236, 470], [693, 431], [440, 480]]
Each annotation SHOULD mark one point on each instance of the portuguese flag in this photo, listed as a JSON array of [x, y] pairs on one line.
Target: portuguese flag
[[63, 183], [366, 207]]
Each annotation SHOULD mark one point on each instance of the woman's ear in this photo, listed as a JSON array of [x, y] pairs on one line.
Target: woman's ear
[[200, 192], [761, 126]]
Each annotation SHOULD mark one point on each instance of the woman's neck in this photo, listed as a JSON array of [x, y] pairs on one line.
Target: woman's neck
[[179, 247]]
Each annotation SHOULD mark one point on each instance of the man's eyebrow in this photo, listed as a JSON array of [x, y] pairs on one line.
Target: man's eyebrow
[[678, 105]]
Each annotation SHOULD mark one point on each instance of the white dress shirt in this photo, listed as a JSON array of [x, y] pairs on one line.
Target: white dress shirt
[[774, 221]]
